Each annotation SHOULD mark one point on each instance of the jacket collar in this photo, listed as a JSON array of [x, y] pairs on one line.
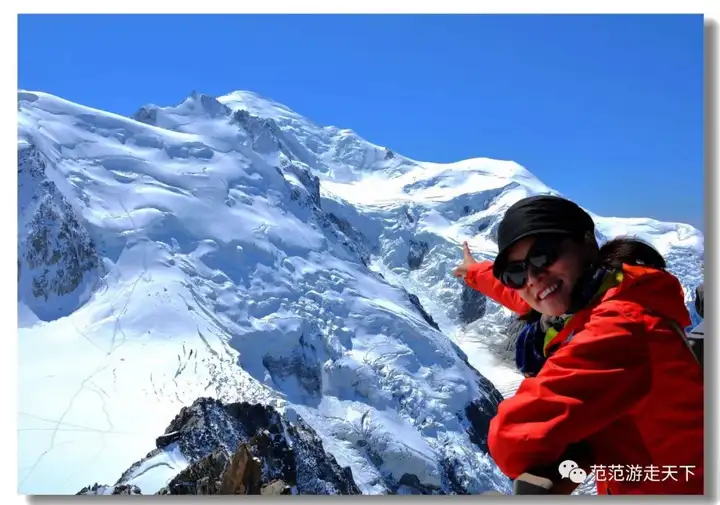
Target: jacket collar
[[593, 287]]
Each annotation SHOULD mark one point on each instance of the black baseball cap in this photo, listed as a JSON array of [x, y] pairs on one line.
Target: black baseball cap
[[537, 215]]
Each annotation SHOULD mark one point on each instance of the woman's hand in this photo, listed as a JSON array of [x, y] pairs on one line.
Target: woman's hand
[[462, 269]]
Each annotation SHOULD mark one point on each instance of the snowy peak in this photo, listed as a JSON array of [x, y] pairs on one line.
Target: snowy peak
[[332, 152], [273, 129], [257, 105], [229, 247], [199, 103], [227, 275], [174, 118]]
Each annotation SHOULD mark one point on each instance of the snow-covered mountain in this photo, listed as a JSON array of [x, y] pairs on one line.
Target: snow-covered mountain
[[229, 248]]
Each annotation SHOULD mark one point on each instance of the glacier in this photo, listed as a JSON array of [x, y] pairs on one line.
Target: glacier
[[228, 247]]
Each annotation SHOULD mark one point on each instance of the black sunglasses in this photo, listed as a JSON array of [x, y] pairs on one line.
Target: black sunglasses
[[543, 253]]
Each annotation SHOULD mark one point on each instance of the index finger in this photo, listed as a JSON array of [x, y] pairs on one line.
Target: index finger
[[466, 250]]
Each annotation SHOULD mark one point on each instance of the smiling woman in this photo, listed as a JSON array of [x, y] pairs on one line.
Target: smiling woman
[[609, 355]]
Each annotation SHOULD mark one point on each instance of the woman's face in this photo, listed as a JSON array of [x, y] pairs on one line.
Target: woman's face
[[549, 291]]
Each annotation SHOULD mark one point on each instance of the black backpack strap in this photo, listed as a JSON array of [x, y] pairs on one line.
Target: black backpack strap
[[694, 344]]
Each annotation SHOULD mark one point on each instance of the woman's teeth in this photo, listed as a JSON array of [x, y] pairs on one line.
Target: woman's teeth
[[545, 292]]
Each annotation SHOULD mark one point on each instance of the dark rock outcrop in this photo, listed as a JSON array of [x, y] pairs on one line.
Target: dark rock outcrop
[[242, 448], [146, 115], [480, 411], [120, 489], [348, 229], [305, 187], [56, 252], [350, 237], [427, 317], [218, 473], [210, 104], [301, 362], [700, 300], [472, 305], [489, 225], [263, 133], [416, 254]]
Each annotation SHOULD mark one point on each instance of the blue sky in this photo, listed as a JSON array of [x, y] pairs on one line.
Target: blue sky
[[606, 109]]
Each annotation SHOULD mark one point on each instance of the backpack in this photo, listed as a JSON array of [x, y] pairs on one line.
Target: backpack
[[696, 340]]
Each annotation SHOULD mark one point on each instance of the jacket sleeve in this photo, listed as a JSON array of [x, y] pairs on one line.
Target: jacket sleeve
[[481, 278], [602, 373]]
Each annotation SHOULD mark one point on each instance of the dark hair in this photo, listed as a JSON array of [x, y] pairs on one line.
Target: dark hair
[[631, 251]]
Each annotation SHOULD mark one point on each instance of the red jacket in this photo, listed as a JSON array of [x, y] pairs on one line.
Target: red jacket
[[619, 378]]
